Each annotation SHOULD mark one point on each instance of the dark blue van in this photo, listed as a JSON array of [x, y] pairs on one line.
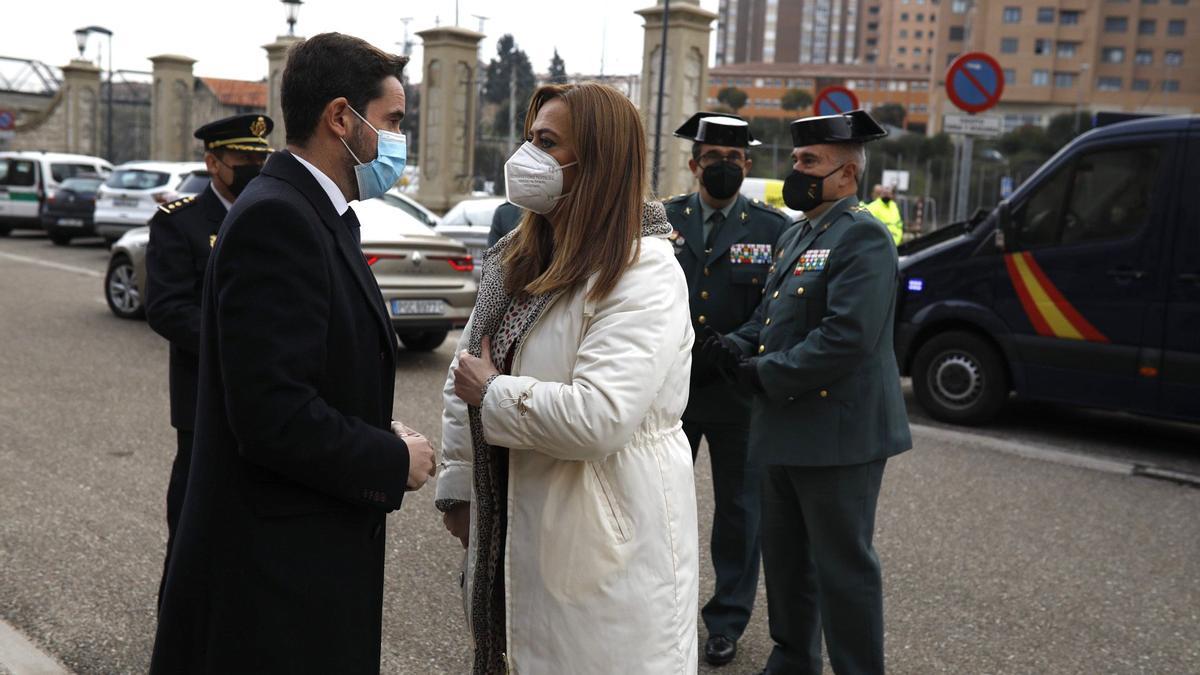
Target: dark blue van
[[1083, 287]]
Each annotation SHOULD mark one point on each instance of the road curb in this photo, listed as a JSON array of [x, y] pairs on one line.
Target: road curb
[[21, 657], [1026, 450]]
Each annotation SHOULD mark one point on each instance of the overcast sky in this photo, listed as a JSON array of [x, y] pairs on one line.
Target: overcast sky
[[226, 36]]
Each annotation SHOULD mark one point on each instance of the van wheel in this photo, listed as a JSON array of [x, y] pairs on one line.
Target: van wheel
[[59, 238], [5, 230], [959, 377], [426, 341], [121, 289]]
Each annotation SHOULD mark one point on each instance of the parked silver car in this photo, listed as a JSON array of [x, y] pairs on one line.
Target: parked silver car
[[426, 279]]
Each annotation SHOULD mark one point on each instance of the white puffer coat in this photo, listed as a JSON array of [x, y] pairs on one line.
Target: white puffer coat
[[601, 560]]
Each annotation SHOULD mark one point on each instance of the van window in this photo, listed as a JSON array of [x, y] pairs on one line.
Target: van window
[[19, 173], [1098, 196], [61, 172], [1036, 221], [1110, 194], [137, 179]]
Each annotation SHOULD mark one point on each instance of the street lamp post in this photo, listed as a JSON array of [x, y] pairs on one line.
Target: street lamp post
[[81, 37], [293, 12]]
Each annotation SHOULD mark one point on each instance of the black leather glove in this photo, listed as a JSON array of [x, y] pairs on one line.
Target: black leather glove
[[721, 352], [747, 377]]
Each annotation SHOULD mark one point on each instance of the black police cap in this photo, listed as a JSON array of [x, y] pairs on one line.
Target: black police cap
[[240, 132], [855, 126], [717, 129]]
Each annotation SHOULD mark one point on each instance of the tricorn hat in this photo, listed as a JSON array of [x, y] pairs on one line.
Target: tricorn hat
[[717, 129], [247, 133], [856, 126]]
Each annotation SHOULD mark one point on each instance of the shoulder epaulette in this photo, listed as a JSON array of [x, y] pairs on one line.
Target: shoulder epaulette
[[677, 198], [172, 207]]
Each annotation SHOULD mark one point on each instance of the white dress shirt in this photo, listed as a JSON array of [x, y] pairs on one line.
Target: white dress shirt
[[335, 193]]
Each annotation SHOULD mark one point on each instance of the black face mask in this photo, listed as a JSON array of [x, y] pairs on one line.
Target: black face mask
[[242, 175], [803, 192], [722, 179]]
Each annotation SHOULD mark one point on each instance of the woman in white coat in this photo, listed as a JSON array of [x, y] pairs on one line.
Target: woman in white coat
[[566, 474]]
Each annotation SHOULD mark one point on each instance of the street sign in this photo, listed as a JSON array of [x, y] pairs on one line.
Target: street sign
[[835, 101], [974, 125], [895, 178], [974, 82], [1006, 186], [8, 120]]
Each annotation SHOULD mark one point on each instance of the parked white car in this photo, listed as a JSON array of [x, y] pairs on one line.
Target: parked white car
[[29, 178], [131, 194], [405, 202], [469, 221]]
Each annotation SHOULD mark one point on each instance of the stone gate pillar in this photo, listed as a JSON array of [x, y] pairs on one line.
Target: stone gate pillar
[[276, 60], [448, 115], [685, 86], [81, 103], [171, 123]]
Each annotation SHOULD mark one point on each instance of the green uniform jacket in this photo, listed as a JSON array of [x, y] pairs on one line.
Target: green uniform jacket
[[823, 338], [724, 287]]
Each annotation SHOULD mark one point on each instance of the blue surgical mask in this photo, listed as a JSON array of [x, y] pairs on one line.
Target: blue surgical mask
[[380, 174]]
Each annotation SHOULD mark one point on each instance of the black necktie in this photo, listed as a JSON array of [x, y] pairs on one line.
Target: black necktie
[[717, 218], [351, 220]]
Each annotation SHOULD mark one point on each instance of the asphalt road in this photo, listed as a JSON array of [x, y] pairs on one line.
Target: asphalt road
[[993, 563]]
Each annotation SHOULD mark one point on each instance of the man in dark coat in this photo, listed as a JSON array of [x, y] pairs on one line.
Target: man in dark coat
[[182, 233], [277, 566], [828, 410], [724, 243]]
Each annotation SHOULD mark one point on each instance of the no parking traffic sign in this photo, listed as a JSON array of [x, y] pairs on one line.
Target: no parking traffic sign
[[835, 101], [974, 82]]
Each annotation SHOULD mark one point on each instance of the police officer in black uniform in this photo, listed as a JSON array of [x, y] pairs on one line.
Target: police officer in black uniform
[[182, 233], [725, 243]]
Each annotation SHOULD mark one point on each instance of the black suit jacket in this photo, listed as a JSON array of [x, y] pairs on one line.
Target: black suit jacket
[[180, 240], [278, 563]]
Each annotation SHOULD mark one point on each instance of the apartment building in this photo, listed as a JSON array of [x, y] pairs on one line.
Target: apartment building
[[1065, 55]]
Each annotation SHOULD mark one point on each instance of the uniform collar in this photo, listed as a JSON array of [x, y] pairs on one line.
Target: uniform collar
[[706, 211], [331, 189], [834, 211]]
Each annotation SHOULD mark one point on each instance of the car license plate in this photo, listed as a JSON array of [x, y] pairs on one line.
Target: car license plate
[[125, 201], [418, 307], [70, 222]]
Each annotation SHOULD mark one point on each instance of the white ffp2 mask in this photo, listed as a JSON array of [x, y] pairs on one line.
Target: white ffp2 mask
[[533, 179]]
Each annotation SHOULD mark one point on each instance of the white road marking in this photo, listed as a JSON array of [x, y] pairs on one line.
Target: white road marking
[[1026, 450], [52, 265], [22, 657]]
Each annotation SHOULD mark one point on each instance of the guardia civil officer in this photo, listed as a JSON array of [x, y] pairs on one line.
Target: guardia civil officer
[[182, 233], [724, 242], [828, 411]]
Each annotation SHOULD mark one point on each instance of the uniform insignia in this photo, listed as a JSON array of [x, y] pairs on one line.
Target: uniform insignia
[[212, 240], [259, 127], [171, 207], [750, 254], [812, 261], [687, 210], [744, 215]]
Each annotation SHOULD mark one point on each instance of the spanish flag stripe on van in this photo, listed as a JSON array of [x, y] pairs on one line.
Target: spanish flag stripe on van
[[1048, 310]]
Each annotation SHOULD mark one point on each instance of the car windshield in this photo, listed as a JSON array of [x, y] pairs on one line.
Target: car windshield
[[82, 184], [137, 179], [193, 183]]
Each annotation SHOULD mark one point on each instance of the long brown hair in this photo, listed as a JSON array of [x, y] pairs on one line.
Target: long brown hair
[[600, 224]]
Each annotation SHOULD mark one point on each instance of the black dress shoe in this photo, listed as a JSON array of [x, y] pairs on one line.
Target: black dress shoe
[[719, 650]]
